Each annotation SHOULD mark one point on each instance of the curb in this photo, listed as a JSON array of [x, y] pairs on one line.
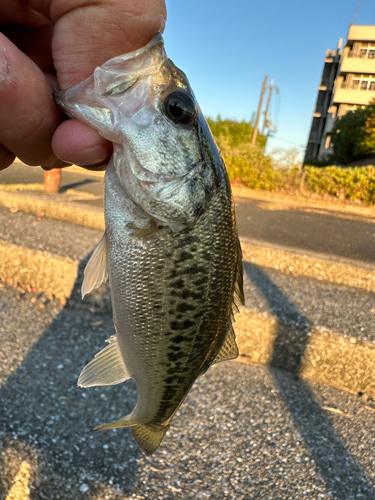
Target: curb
[[49, 273], [65, 211], [294, 262], [320, 354]]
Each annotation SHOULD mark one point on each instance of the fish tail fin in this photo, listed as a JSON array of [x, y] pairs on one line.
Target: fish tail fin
[[149, 437]]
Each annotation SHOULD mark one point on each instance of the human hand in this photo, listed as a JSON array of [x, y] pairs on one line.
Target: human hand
[[47, 45]]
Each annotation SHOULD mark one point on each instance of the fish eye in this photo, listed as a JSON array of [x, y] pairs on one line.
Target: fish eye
[[179, 107]]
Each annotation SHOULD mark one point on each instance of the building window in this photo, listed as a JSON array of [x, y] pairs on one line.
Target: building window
[[367, 51], [355, 84], [328, 141], [360, 82]]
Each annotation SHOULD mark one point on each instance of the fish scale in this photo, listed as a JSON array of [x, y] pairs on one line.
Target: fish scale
[[171, 248]]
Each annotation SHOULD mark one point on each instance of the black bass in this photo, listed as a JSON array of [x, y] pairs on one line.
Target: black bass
[[171, 248]]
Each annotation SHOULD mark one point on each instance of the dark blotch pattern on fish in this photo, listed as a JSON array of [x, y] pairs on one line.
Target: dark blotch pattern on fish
[[178, 284], [181, 325]]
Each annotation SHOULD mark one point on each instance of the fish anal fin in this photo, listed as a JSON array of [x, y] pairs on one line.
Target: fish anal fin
[[96, 270], [229, 349], [117, 424], [149, 437], [238, 296], [107, 367]]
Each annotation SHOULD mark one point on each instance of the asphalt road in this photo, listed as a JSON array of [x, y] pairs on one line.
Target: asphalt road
[[322, 233], [326, 234], [244, 432]]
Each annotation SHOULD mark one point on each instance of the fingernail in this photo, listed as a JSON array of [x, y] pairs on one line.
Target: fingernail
[[4, 66]]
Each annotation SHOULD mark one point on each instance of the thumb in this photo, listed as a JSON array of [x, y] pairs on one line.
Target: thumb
[[89, 33]]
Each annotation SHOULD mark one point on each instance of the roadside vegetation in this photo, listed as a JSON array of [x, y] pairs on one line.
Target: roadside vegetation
[[250, 167], [353, 135]]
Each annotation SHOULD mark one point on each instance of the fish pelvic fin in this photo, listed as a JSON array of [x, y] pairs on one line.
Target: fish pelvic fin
[[96, 270], [148, 437]]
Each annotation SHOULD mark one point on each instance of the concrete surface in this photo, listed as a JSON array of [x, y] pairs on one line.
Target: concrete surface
[[244, 432], [310, 314], [42, 252]]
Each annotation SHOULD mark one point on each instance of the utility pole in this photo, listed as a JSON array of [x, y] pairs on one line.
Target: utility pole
[[255, 131], [271, 88]]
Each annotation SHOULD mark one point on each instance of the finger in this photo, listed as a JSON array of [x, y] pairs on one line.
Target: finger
[[6, 157], [124, 25], [28, 114], [19, 12], [34, 42], [78, 143]]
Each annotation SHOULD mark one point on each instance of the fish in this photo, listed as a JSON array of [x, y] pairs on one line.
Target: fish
[[170, 249]]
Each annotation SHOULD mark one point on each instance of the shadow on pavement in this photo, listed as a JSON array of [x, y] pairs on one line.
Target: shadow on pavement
[[75, 185], [45, 420], [44, 415], [336, 464]]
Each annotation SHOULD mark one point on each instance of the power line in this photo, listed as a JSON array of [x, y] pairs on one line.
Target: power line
[[356, 11], [277, 138]]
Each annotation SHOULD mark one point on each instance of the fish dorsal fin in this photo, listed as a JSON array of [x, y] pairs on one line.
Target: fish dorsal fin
[[229, 349], [107, 368], [96, 270]]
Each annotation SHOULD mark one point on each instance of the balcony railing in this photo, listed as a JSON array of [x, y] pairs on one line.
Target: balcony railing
[[362, 55], [351, 86]]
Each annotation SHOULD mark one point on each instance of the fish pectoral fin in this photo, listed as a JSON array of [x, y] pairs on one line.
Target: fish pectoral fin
[[229, 349], [107, 368], [96, 270], [149, 437]]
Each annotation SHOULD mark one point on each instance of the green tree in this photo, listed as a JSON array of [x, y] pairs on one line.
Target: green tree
[[353, 135], [235, 133]]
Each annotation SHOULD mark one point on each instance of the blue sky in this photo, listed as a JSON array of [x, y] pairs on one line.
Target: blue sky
[[226, 49]]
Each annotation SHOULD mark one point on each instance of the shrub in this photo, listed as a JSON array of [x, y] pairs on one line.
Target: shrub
[[353, 135], [257, 171], [235, 133], [356, 183]]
